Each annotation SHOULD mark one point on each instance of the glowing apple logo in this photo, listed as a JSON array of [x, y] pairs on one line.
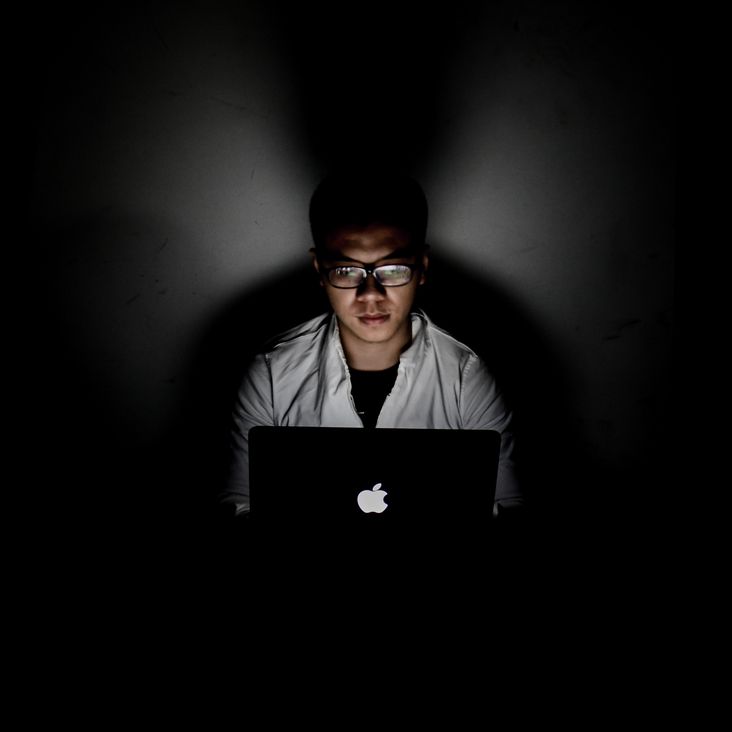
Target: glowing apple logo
[[372, 501]]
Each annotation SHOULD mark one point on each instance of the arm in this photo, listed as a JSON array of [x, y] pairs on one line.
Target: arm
[[483, 407], [253, 406]]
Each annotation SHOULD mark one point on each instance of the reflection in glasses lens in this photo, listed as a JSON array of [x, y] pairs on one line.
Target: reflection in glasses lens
[[388, 275]]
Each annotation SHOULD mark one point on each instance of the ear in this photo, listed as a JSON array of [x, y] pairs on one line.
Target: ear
[[425, 266], [316, 264]]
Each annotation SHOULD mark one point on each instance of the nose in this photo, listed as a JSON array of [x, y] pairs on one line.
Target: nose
[[370, 289]]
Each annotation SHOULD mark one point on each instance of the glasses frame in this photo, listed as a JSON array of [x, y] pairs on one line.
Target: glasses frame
[[369, 270]]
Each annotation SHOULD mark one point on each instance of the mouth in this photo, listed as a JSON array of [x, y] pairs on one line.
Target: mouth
[[374, 319]]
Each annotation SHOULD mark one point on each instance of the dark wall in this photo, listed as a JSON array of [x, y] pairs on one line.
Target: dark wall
[[176, 146]]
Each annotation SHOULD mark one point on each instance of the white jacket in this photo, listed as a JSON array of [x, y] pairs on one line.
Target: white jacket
[[302, 379]]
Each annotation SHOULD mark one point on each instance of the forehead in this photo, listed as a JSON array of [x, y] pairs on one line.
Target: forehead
[[368, 244]]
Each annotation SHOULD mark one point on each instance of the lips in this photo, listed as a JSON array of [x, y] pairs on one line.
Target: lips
[[373, 318]]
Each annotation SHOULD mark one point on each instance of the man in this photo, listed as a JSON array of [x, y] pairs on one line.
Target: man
[[373, 361]]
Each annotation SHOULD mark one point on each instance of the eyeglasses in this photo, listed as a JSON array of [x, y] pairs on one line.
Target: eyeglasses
[[387, 275]]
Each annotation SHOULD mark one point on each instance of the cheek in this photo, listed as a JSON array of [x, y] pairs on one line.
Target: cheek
[[338, 298], [406, 296]]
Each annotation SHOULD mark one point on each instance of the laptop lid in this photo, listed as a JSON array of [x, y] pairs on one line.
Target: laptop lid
[[372, 480]]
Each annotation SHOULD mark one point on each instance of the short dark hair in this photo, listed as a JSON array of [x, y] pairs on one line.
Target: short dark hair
[[360, 199]]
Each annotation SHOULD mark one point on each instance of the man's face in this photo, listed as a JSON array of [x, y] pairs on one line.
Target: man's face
[[372, 313]]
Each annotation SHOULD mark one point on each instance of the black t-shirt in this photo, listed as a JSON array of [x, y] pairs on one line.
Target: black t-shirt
[[369, 390]]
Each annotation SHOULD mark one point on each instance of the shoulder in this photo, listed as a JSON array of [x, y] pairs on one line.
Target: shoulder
[[297, 341], [444, 344]]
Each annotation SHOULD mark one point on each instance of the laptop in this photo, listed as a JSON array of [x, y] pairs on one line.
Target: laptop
[[373, 485]]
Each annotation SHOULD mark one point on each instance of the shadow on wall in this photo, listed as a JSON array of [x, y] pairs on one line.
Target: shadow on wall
[[91, 454], [475, 311], [103, 471]]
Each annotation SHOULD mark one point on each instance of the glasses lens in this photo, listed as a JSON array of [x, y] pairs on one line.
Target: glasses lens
[[392, 275], [388, 275], [346, 276]]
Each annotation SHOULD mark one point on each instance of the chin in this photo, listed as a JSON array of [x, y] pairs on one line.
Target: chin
[[374, 333]]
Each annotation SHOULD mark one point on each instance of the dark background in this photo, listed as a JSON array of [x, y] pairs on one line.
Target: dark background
[[174, 149]]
